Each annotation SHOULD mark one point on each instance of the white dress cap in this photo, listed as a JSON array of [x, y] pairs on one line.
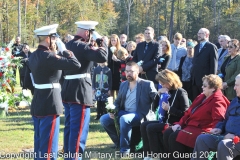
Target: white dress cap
[[88, 25], [46, 30]]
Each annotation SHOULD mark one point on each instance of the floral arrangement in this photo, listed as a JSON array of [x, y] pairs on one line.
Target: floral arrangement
[[9, 63], [111, 108]]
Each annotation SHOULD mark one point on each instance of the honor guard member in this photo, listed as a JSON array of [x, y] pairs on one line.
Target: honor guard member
[[46, 105], [77, 89]]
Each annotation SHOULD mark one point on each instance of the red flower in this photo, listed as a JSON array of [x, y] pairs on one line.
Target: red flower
[[1, 74], [6, 49], [1, 58], [3, 84], [236, 139], [8, 80], [12, 56], [165, 127]]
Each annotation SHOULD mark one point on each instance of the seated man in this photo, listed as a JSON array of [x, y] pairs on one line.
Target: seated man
[[221, 138], [132, 105]]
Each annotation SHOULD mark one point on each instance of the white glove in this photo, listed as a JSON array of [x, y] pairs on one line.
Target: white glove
[[61, 46]]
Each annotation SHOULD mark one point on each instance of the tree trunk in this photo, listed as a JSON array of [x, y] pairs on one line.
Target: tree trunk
[[25, 21], [35, 23], [171, 22], [19, 18]]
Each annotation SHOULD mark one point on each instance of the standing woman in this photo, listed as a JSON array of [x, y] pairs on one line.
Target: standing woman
[[164, 59], [231, 68], [131, 46], [185, 66], [114, 63]]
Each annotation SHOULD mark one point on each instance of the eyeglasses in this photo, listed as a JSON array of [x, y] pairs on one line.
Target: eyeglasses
[[231, 47], [126, 71], [204, 85]]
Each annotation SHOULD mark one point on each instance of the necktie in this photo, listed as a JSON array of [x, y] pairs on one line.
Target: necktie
[[146, 47], [200, 47]]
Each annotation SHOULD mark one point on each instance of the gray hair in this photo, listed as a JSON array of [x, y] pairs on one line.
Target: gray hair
[[226, 37], [237, 77]]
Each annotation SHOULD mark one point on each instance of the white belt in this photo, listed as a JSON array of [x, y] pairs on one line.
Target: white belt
[[45, 86], [77, 76]]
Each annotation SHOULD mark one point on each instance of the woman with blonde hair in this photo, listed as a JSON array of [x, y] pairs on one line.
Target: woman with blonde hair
[[131, 46], [165, 56], [169, 111], [114, 63]]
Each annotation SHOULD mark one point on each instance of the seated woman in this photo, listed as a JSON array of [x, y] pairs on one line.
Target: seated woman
[[205, 112], [178, 103], [185, 66]]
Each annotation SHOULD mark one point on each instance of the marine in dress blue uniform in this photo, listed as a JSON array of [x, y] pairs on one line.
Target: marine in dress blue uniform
[[77, 90], [46, 106]]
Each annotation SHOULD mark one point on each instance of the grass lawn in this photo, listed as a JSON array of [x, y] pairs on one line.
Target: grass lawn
[[16, 134]]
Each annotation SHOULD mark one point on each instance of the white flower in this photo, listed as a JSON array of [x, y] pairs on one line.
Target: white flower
[[113, 49], [23, 104], [140, 63], [25, 93], [110, 105]]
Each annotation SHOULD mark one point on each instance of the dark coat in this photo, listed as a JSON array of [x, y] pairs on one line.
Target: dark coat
[[205, 117], [165, 63], [150, 59], [232, 70], [179, 106], [115, 68], [80, 90], [204, 62], [46, 68], [146, 93], [23, 61]]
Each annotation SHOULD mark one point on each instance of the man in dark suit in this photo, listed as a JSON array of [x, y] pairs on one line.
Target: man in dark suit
[[205, 60], [147, 53], [132, 105]]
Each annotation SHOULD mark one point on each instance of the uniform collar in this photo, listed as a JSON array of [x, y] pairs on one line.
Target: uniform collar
[[76, 37], [41, 47]]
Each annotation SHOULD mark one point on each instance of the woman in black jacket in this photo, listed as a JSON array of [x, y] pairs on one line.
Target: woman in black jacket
[[165, 57], [152, 131]]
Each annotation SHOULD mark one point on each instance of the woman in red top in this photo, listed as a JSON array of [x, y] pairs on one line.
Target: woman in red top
[[205, 112]]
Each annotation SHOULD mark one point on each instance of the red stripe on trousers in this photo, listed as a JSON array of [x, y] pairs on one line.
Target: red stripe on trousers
[[80, 129], [51, 136]]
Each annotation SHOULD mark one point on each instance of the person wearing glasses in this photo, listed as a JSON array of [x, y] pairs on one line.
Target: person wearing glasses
[[132, 105], [231, 68], [170, 112], [224, 138], [205, 112]]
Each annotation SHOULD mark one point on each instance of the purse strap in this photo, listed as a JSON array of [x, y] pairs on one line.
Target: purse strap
[[171, 106]]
